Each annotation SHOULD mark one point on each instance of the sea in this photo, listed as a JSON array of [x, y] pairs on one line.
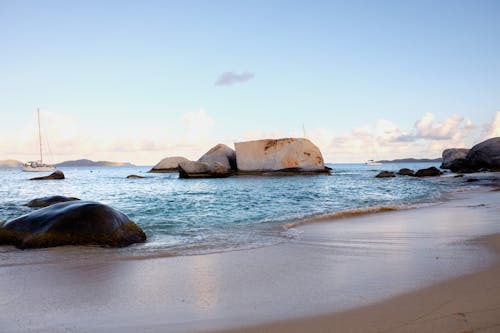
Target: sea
[[197, 216]]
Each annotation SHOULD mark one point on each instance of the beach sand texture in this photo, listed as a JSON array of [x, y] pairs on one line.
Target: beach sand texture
[[387, 272]]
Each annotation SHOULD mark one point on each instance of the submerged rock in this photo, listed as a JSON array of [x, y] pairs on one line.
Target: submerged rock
[[58, 174], [135, 177], [290, 154], [169, 164], [49, 201], [220, 154], [452, 154], [429, 172], [385, 174], [71, 223], [406, 172]]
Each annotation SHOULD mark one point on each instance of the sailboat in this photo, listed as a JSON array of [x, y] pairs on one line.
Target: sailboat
[[38, 166], [372, 162]]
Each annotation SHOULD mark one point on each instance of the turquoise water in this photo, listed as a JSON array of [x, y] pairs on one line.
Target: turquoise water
[[188, 216]]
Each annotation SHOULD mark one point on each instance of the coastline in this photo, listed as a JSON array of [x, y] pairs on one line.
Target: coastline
[[314, 283]]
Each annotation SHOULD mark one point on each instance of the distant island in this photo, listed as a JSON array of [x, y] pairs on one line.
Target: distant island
[[89, 163], [10, 164], [413, 160]]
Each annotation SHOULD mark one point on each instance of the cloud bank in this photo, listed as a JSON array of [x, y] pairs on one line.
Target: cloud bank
[[230, 78]]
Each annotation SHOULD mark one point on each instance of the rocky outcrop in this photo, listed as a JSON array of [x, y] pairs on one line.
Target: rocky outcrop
[[481, 157], [406, 172], [429, 172], [450, 155], [220, 154], [385, 174], [485, 155], [193, 169], [169, 164], [49, 201], [55, 175], [135, 177], [281, 155], [71, 223]]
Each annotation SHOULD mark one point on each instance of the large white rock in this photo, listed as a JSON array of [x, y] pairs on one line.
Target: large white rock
[[274, 155], [220, 154], [168, 164]]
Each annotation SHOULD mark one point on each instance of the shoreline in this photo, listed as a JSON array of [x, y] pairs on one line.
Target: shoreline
[[297, 285], [467, 303]]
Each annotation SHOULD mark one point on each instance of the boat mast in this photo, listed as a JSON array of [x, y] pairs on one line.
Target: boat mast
[[39, 135]]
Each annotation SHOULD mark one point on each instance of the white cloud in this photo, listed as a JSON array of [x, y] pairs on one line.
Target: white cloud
[[494, 127]]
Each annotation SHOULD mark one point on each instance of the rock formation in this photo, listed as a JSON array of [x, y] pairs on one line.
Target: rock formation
[[385, 174], [71, 223], [169, 164], [191, 169], [49, 201], [429, 172], [221, 154], [449, 155], [483, 156], [290, 154], [55, 175]]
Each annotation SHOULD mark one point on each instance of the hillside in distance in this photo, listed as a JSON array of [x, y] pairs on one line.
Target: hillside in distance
[[413, 160], [89, 163]]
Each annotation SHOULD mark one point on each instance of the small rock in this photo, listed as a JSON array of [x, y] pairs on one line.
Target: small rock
[[58, 174], [406, 172], [472, 180], [429, 172], [134, 177]]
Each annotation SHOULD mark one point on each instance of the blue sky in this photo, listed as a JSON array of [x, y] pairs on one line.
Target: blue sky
[[136, 80]]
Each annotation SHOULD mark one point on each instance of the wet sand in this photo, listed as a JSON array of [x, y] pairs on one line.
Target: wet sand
[[423, 270]]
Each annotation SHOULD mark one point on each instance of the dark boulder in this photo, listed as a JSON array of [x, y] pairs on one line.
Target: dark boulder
[[71, 223], [461, 165], [485, 155], [58, 174], [429, 172], [385, 174], [450, 155], [406, 172], [49, 201]]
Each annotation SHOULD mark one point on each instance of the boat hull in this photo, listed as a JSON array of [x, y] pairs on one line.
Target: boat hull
[[38, 169]]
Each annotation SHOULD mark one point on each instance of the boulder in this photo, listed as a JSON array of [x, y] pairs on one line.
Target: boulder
[[429, 172], [135, 177], [461, 165], [168, 164], [193, 169], [221, 154], [449, 155], [71, 223], [264, 156], [385, 174], [485, 155], [49, 201], [406, 172], [58, 174]]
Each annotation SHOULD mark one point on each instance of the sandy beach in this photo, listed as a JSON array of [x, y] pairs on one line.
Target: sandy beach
[[432, 269]]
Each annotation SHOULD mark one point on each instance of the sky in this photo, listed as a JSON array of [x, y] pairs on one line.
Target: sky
[[141, 80]]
